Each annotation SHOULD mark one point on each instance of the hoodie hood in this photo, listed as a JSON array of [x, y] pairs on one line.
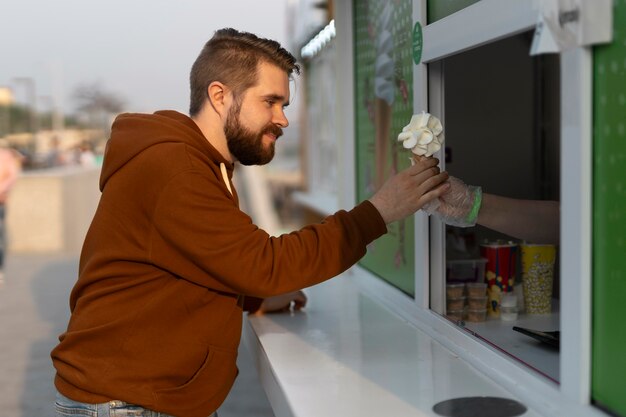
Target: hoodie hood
[[132, 133]]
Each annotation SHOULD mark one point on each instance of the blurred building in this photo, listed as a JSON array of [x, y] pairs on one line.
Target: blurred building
[[6, 96]]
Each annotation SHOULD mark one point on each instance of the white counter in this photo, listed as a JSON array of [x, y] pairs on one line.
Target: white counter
[[347, 355]]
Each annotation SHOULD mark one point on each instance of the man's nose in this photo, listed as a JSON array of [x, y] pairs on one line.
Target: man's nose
[[280, 119]]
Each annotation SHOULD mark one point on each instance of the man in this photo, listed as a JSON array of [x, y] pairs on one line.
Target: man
[[156, 312]]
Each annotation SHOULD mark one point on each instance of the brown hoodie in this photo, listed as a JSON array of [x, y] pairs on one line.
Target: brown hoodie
[[157, 308]]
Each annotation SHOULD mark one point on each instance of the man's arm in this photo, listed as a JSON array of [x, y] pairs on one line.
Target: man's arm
[[295, 300], [201, 234]]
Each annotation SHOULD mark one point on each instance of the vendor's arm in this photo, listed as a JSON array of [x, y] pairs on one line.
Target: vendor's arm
[[531, 220]]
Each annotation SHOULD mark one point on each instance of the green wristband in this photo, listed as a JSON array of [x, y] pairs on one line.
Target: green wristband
[[473, 214]]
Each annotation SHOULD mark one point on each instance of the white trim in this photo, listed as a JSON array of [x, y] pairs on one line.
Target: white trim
[[346, 159], [437, 235], [576, 217], [475, 25], [421, 244]]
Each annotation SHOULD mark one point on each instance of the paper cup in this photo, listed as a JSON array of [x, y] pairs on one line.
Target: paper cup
[[499, 272], [537, 277]]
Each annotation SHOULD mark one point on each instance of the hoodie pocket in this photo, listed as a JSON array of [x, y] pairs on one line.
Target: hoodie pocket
[[208, 386]]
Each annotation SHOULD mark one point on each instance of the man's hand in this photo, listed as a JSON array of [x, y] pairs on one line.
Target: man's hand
[[283, 302], [407, 191]]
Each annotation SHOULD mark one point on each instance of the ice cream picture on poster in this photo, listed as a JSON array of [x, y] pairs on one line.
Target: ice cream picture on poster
[[384, 92], [383, 74]]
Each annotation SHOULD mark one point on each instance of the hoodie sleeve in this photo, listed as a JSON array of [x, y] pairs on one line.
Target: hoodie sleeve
[[200, 234]]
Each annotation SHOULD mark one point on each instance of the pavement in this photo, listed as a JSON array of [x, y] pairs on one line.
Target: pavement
[[34, 310]]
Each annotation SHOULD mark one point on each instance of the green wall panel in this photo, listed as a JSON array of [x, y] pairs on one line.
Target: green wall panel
[[609, 219], [438, 9], [383, 104]]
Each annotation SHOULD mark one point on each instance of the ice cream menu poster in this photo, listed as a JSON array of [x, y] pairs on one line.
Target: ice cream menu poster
[[384, 105]]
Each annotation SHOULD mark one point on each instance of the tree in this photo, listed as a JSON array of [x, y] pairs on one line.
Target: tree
[[97, 104]]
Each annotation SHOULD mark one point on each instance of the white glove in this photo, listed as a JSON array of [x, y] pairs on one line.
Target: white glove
[[460, 205]]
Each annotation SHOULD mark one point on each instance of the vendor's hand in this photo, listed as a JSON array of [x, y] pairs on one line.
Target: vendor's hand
[[283, 302], [406, 192], [459, 206]]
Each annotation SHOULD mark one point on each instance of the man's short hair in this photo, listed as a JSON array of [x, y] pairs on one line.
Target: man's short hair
[[232, 57]]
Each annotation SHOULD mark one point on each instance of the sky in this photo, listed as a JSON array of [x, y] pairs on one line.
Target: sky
[[140, 50]]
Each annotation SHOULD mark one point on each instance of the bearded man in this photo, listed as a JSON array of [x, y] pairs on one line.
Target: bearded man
[[170, 261]]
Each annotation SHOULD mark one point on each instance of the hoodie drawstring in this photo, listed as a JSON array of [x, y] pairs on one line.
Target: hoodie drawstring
[[225, 177]]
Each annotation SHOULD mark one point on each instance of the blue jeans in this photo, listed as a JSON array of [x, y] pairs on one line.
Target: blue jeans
[[65, 407]]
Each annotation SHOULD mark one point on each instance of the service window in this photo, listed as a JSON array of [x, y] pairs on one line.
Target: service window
[[501, 114], [505, 115]]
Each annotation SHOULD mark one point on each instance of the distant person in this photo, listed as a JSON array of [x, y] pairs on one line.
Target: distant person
[[10, 166], [170, 261], [55, 156], [86, 157], [536, 221]]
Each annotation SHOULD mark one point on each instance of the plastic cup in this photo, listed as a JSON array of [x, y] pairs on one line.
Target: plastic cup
[[537, 277], [508, 313], [456, 303], [455, 290], [477, 303], [476, 289], [476, 315], [499, 272], [455, 314]]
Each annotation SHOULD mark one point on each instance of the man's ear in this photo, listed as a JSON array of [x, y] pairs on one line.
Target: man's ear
[[219, 97]]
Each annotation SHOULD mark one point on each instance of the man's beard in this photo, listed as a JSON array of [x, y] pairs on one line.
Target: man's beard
[[246, 145]]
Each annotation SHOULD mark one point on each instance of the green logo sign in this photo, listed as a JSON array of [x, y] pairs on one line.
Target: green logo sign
[[417, 43]]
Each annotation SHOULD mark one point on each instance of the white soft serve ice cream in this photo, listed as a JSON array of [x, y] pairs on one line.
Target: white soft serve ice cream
[[423, 135]]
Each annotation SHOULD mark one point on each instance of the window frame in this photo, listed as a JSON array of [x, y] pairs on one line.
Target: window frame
[[471, 27]]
